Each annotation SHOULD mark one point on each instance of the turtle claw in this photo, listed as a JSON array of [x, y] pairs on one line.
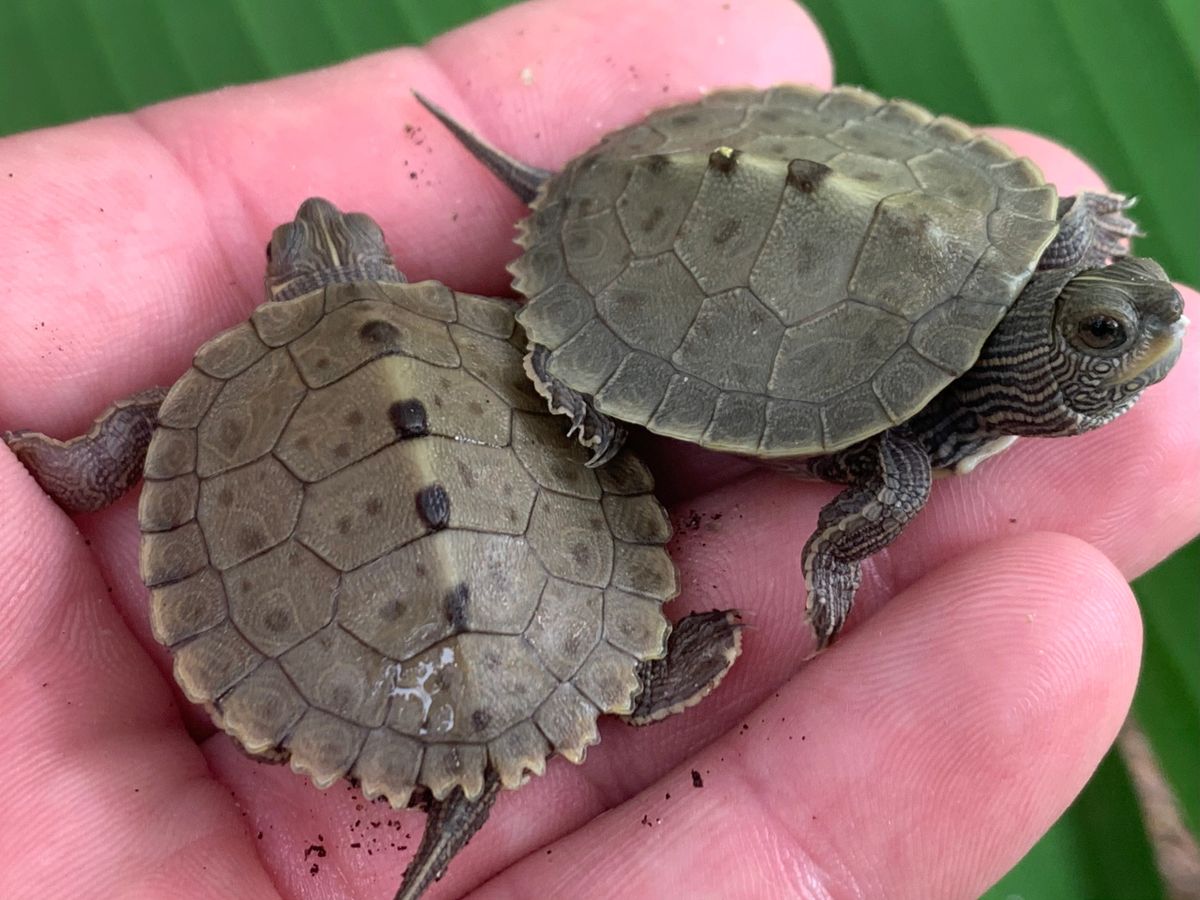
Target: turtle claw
[[591, 428]]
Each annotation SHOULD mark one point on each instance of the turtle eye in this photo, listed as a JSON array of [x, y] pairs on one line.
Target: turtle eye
[[269, 250], [1102, 332]]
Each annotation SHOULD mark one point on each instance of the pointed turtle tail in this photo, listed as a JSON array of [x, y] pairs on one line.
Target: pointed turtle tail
[[523, 180], [450, 824]]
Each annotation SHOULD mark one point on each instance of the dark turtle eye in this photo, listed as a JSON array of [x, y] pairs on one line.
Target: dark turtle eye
[[1102, 332], [269, 250]]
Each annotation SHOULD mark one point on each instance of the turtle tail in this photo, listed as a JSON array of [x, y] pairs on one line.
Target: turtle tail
[[451, 823], [523, 180]]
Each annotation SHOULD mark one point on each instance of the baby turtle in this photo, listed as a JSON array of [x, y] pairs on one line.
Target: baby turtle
[[848, 288], [373, 552]]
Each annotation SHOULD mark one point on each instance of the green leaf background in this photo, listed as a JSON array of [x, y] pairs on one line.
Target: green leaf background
[[1117, 81]]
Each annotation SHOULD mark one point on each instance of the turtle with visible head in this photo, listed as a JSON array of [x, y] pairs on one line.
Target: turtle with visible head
[[846, 287], [374, 553]]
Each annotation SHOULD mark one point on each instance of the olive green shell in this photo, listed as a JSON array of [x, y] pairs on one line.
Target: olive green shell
[[372, 550], [779, 273]]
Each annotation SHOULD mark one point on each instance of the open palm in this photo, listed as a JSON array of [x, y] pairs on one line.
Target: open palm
[[919, 757]]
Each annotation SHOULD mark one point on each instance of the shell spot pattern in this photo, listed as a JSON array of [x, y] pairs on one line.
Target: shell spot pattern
[[371, 547], [698, 301]]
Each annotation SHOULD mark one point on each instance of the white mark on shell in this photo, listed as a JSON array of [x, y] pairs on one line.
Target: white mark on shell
[[426, 669]]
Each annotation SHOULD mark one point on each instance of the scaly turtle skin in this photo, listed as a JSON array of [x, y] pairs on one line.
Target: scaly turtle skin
[[374, 553], [845, 287]]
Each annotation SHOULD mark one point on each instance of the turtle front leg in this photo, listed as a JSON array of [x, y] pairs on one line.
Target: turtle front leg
[[888, 479], [451, 823], [596, 431], [1092, 229], [89, 472], [700, 650]]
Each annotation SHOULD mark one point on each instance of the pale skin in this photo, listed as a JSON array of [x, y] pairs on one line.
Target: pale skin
[[921, 756]]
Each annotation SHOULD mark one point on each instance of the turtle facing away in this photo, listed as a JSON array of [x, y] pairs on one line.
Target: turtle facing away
[[845, 287], [373, 552]]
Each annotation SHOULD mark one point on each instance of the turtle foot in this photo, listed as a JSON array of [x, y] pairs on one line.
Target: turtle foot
[[594, 430], [1093, 230]]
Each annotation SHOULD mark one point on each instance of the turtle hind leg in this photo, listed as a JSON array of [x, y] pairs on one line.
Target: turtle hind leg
[[888, 478], [700, 651], [595, 430], [1092, 229], [89, 472], [450, 824], [523, 180]]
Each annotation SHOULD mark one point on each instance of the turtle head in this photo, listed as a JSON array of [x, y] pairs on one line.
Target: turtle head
[[1119, 330], [1076, 350], [323, 245]]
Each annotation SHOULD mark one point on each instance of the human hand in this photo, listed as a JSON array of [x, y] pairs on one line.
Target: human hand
[[920, 756]]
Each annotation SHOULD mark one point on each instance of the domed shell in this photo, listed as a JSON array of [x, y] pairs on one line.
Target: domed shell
[[372, 550], [779, 273]]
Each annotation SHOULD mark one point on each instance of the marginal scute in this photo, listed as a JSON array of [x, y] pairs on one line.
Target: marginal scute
[[625, 475], [635, 624], [324, 746], [187, 607], [949, 334], [903, 380], [262, 708], [792, 427], [168, 504], [645, 570], [737, 418], [852, 417], [639, 520], [635, 389], [686, 409], [520, 750], [389, 766], [447, 766], [568, 720], [607, 679], [188, 401], [172, 452], [167, 556], [211, 663], [589, 358]]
